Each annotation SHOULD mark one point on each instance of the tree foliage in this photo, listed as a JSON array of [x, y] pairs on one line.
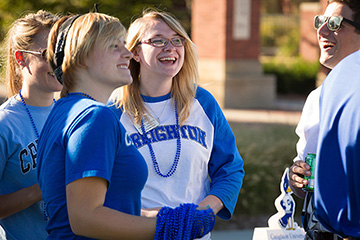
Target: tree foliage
[[125, 10], [277, 6]]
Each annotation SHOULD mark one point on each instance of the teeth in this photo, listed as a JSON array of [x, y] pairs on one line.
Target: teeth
[[167, 59], [328, 44], [123, 67]]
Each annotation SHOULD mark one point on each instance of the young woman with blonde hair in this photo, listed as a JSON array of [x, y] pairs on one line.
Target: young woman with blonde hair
[[31, 87], [177, 126], [90, 173]]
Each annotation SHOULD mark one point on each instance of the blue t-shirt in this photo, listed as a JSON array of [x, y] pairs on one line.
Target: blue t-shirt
[[18, 151], [337, 175], [83, 138]]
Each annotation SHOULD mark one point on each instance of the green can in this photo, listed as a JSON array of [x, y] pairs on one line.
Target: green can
[[310, 160]]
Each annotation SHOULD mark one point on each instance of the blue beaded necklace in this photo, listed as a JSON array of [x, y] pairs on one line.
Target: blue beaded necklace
[[81, 94], [29, 114], [46, 217], [152, 153]]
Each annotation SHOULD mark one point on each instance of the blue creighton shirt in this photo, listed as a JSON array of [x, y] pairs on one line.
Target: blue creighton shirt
[[337, 176], [209, 161], [84, 138]]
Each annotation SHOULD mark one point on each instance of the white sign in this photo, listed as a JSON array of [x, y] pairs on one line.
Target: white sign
[[282, 225], [242, 19], [278, 234]]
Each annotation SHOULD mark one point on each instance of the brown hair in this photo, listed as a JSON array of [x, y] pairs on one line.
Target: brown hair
[[354, 5], [21, 37]]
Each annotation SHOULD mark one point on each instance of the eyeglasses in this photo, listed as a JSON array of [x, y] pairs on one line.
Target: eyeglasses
[[162, 42], [332, 22], [42, 53]]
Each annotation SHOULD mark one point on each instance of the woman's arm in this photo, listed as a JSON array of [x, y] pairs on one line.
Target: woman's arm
[[225, 168], [225, 165], [15, 202], [89, 217], [150, 212], [213, 202]]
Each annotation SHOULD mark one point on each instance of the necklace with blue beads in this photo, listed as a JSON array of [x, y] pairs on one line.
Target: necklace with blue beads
[[152, 153], [46, 217], [80, 94], [29, 114]]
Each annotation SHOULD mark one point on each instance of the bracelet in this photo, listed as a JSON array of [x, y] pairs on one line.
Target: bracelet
[[183, 222]]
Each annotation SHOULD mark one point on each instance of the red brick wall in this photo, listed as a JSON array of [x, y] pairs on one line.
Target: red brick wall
[[212, 30], [208, 26], [309, 48], [243, 49]]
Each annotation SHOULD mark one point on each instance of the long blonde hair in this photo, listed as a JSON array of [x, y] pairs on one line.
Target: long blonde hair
[[21, 37], [84, 32], [184, 84]]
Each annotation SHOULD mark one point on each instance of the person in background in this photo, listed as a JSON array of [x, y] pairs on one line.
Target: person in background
[[338, 32], [90, 173], [177, 126], [31, 86]]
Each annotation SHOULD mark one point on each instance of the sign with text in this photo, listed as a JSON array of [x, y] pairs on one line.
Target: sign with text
[[278, 234], [242, 19], [282, 225]]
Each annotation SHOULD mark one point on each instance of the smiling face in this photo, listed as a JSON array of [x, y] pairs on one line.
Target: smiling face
[[159, 63], [334, 46], [109, 65], [38, 74]]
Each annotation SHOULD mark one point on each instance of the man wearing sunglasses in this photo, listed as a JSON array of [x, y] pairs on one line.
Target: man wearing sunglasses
[[338, 36]]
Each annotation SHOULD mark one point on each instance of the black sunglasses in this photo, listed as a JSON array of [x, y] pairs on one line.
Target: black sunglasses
[[332, 22], [41, 53]]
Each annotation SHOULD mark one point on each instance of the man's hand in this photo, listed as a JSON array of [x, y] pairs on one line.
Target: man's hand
[[296, 176]]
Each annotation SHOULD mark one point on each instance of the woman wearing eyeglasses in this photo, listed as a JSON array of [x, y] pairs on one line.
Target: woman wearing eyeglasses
[[31, 86], [90, 173], [338, 36], [177, 126]]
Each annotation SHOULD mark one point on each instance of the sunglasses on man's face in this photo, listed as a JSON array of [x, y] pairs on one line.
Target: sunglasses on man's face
[[332, 22]]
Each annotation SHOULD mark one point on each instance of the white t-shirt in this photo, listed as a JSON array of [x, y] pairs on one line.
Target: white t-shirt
[[308, 126]]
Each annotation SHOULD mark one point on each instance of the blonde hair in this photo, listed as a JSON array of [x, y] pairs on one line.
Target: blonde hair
[[86, 31], [184, 84], [21, 36]]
